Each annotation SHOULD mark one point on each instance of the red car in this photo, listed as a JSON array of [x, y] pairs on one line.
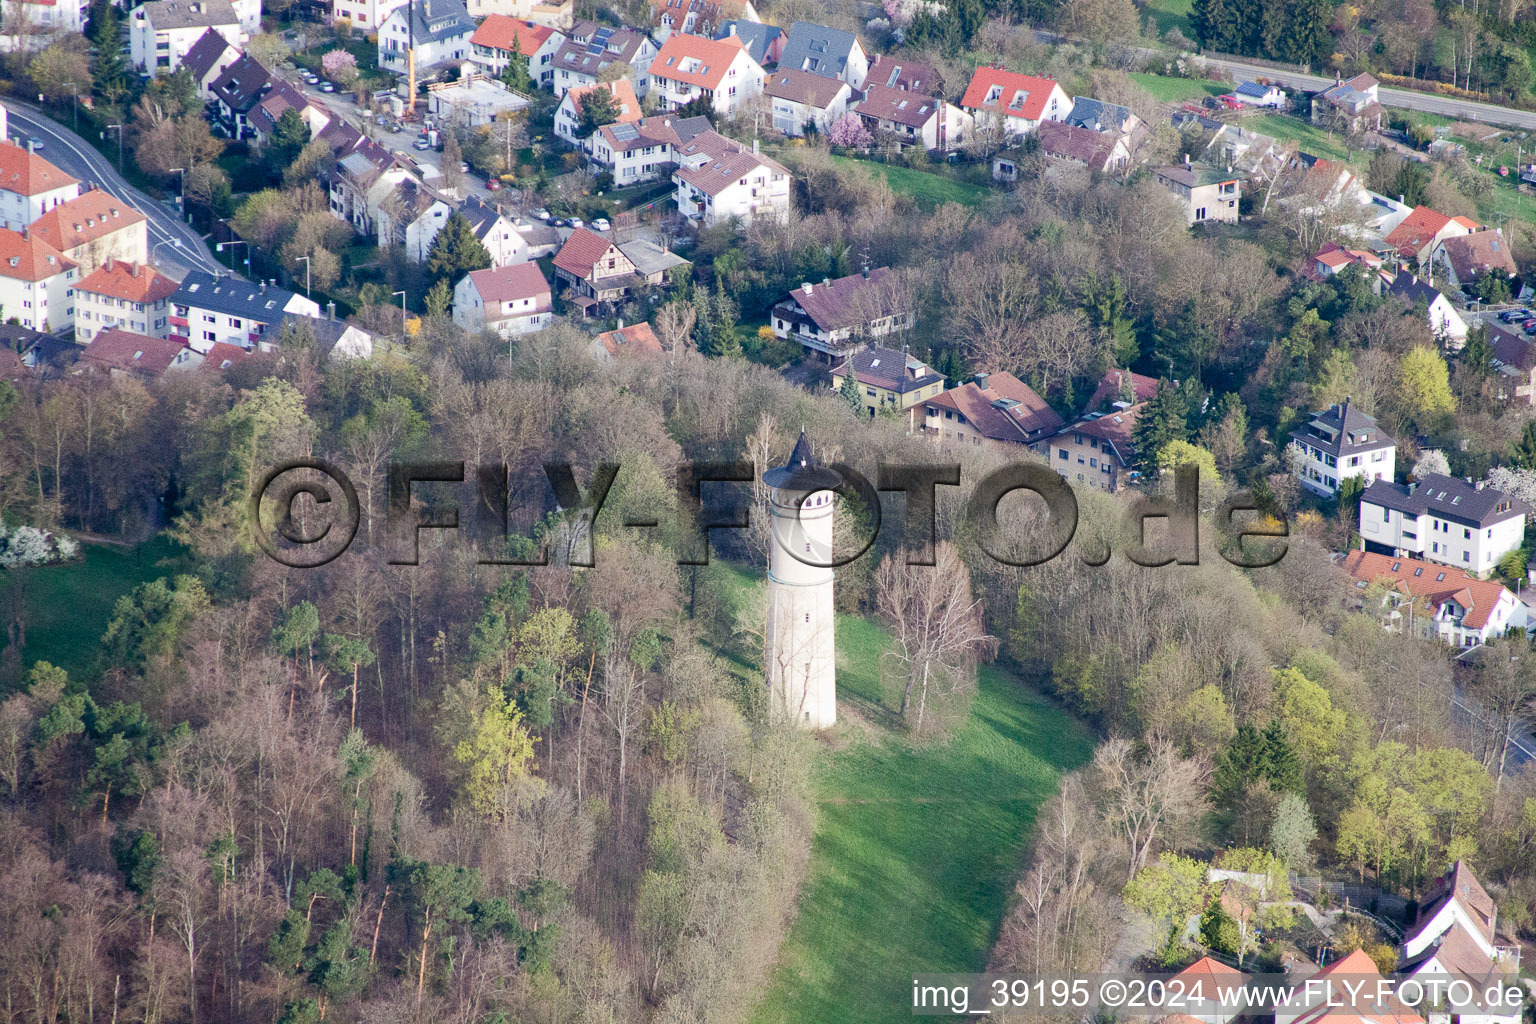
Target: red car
[[493, 184], [1229, 101]]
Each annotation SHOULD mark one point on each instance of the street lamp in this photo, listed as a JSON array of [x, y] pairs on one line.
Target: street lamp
[[119, 144], [306, 274], [239, 241], [402, 314], [75, 91]]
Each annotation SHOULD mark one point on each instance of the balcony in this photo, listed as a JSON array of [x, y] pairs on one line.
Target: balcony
[[179, 321]]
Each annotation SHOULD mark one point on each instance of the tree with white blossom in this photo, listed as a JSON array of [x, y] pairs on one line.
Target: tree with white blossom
[[1431, 461]]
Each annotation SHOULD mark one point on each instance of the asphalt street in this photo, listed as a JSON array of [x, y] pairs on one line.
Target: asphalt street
[[72, 154]]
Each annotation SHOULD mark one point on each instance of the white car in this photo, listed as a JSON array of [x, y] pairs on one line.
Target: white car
[[601, 224], [327, 87], [577, 222]]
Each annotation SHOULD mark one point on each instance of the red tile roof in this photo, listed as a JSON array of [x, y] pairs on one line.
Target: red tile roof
[[221, 356], [1479, 253], [29, 258], [1206, 967], [1342, 1006], [726, 163], [581, 251], [117, 349], [1114, 428], [1022, 95], [713, 57], [498, 31], [131, 282], [1008, 410], [908, 108], [1417, 230], [93, 215], [623, 93], [511, 284], [1111, 385], [28, 174], [634, 340], [1437, 584]]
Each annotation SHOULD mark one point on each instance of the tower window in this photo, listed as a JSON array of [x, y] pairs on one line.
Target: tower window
[[807, 616]]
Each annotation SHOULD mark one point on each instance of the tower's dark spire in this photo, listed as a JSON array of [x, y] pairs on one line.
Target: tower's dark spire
[[803, 471]]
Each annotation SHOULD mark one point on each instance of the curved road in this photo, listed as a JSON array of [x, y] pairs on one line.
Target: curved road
[[77, 157]]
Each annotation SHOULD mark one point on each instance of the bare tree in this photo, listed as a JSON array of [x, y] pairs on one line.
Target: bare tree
[[1148, 799]]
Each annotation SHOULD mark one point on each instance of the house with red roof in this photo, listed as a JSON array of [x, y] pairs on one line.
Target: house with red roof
[[719, 179], [499, 37], [1104, 152], [509, 300], [1349, 106], [1121, 387], [994, 410], [1466, 259], [1014, 102], [117, 351], [1345, 992], [913, 119], [30, 186], [1097, 450], [719, 70], [637, 341], [1331, 259], [1436, 600], [833, 319], [568, 113], [1418, 237], [94, 228], [35, 281], [128, 295], [598, 271], [1203, 981]]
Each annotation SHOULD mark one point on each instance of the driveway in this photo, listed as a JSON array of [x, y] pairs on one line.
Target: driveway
[[72, 154]]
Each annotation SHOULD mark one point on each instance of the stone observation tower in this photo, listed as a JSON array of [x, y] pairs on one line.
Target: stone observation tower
[[798, 648]]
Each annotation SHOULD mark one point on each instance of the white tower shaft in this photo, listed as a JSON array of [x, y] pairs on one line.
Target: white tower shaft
[[799, 644]]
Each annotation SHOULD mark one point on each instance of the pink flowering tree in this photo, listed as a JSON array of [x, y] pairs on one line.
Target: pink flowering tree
[[849, 131], [340, 67]]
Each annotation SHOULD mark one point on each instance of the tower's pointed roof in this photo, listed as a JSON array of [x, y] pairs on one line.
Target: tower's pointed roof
[[803, 471]]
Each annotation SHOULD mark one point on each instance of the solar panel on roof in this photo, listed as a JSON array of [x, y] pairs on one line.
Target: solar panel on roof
[[626, 132]]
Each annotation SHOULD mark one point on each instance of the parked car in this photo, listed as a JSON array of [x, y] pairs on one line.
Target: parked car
[[1508, 316], [601, 224], [327, 87], [577, 222], [463, 167], [540, 214], [493, 184], [1229, 101], [421, 143], [559, 222]]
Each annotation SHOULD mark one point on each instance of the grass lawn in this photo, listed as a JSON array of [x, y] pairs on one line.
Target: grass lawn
[[1167, 14], [1309, 136], [1176, 90], [69, 606], [928, 190], [916, 849]]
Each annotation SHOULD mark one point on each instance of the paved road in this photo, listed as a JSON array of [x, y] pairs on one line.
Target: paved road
[[74, 155]]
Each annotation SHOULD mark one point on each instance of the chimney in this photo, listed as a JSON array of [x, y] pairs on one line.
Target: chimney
[[1401, 201], [754, 146], [330, 310], [805, 286], [621, 323], [1186, 159], [980, 379]]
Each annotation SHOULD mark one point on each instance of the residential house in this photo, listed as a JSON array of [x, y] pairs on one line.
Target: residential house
[[509, 300], [598, 271], [364, 15], [219, 357], [1098, 116], [411, 216], [1328, 189], [1242, 148], [568, 113], [990, 410], [891, 381], [637, 341], [1442, 519], [1259, 94], [336, 341], [206, 61], [36, 282], [1418, 236], [492, 45], [1203, 981], [209, 308], [1097, 450], [719, 179], [93, 228], [555, 14], [473, 100], [1514, 357], [1350, 106], [30, 186], [589, 49], [1457, 900], [1444, 321], [439, 30], [801, 98], [825, 51], [236, 91], [128, 295], [359, 182], [1467, 258], [696, 17], [834, 319], [1343, 993], [1099, 151], [498, 232], [1331, 259], [262, 118], [1015, 103], [913, 118], [1456, 957], [907, 75], [1206, 193], [117, 352], [162, 32], [1120, 389], [644, 150], [30, 23], [1338, 444], [1426, 599], [718, 70], [764, 43]]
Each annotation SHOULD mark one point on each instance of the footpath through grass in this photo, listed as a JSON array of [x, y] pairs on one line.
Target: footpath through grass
[[68, 606], [916, 848]]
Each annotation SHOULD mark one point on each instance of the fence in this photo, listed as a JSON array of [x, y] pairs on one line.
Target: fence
[[1385, 908]]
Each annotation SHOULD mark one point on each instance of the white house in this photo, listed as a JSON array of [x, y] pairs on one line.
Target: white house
[[718, 178], [211, 308], [1339, 443], [1444, 321], [162, 32], [504, 237], [1453, 940], [127, 295], [1442, 519], [719, 70], [498, 37], [365, 15], [411, 216], [28, 21], [336, 341], [1432, 600], [1017, 103], [207, 60], [825, 51], [508, 300], [556, 14], [926, 121], [36, 282], [30, 186], [473, 100], [590, 50], [1257, 94], [800, 98], [1466, 259], [440, 30], [643, 150], [833, 319], [568, 113], [1455, 898]]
